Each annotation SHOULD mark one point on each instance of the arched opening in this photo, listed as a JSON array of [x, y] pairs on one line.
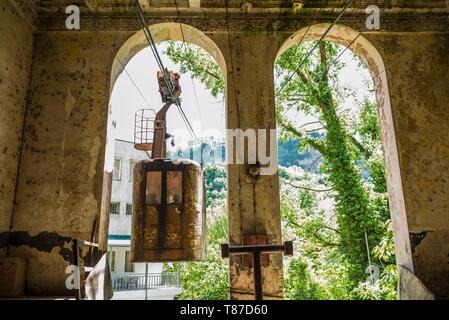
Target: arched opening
[[345, 37], [165, 32], [128, 65]]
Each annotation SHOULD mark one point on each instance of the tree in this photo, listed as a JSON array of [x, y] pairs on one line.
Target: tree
[[352, 165], [215, 186], [316, 90]]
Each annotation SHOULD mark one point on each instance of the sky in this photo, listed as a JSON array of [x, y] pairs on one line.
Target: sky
[[206, 116], [205, 112]]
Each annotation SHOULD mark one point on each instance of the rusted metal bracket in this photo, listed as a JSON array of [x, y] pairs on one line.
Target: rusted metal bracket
[[256, 251], [76, 261]]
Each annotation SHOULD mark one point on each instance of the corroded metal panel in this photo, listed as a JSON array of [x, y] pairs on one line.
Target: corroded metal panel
[[168, 221]]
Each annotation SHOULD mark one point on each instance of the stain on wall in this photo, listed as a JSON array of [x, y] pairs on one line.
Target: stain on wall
[[415, 239]]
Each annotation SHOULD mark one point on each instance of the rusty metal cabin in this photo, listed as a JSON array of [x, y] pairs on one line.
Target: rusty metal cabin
[[168, 221]]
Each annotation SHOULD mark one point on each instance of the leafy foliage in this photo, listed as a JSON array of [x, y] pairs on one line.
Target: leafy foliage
[[215, 186], [360, 211], [200, 64], [299, 284], [208, 280]]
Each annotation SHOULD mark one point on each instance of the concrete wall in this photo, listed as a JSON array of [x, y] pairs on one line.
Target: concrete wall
[[60, 181], [418, 75], [16, 48], [253, 204]]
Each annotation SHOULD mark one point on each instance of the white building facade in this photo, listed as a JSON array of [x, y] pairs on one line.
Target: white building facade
[[131, 279]]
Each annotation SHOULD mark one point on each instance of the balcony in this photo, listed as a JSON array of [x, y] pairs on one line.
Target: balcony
[[136, 281]]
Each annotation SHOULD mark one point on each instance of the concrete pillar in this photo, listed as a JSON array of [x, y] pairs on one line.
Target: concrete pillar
[[253, 205], [418, 77]]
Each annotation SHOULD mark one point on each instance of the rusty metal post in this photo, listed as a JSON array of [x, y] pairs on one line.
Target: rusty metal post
[[256, 251], [77, 278], [258, 292]]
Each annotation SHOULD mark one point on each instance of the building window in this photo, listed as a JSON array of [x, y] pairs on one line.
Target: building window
[[132, 164], [154, 185], [116, 174], [129, 209], [129, 266], [115, 208], [174, 187], [112, 261]]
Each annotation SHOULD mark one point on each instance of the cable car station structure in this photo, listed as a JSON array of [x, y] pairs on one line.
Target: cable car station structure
[[55, 86]]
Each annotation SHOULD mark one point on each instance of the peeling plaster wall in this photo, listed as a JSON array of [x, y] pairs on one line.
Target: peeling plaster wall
[[16, 48], [61, 174], [418, 74]]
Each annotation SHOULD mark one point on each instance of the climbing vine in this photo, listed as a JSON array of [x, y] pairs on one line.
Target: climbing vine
[[351, 171]]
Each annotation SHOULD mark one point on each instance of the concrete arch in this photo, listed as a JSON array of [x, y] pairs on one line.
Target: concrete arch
[[364, 49], [160, 32], [164, 32]]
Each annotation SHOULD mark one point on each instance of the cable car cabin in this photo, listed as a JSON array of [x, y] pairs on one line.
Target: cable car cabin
[[168, 222]]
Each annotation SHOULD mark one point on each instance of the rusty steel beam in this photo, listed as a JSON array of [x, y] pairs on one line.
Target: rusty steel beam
[[256, 251]]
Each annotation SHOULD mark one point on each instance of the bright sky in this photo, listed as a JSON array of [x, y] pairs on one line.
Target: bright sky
[[358, 79], [207, 117]]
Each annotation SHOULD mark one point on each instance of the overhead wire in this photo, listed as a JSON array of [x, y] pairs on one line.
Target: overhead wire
[[161, 66], [306, 58], [341, 53], [300, 42], [132, 81], [191, 74], [393, 4]]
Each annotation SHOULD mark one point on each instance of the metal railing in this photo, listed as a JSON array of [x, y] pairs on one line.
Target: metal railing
[[136, 281]]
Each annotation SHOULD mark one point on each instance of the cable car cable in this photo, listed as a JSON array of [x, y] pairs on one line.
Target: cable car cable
[[315, 46], [194, 88], [133, 82], [341, 53], [300, 42], [164, 71], [191, 75], [322, 38]]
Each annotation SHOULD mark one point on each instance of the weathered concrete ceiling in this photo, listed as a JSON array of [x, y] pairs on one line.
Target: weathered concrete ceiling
[[245, 15], [114, 6]]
